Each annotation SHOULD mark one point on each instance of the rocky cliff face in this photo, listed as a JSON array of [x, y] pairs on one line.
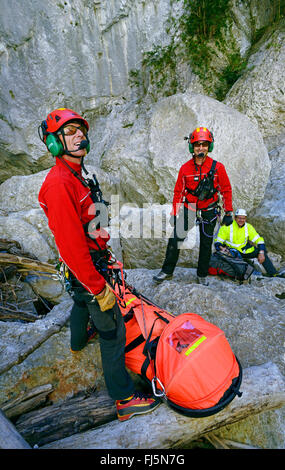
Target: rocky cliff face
[[145, 74]]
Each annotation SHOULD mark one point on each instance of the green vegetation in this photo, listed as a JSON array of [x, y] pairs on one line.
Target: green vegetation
[[203, 25], [230, 74], [205, 18], [206, 44], [158, 68]]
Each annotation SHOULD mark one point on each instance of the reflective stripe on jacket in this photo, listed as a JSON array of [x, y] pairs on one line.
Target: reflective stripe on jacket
[[237, 237]]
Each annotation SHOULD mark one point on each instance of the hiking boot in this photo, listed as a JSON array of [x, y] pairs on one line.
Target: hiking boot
[[202, 280], [160, 277], [137, 404]]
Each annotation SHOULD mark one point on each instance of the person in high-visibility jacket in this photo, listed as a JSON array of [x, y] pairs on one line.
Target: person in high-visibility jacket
[[243, 237]]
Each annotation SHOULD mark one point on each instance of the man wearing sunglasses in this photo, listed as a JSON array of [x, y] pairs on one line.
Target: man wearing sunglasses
[[65, 197], [199, 182]]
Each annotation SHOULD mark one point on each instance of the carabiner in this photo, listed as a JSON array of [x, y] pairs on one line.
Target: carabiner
[[157, 393]]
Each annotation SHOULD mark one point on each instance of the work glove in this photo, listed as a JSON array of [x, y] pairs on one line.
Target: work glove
[[172, 220], [106, 299], [227, 219]]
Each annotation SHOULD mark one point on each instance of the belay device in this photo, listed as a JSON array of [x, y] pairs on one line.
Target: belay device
[[187, 360]]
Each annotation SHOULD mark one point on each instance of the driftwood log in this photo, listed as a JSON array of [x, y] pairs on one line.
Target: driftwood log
[[9, 436], [262, 387], [60, 420], [26, 402]]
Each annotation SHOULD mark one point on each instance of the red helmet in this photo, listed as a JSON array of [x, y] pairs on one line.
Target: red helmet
[[61, 116], [201, 133]]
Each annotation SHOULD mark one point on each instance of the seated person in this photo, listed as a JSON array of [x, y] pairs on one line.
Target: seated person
[[242, 236]]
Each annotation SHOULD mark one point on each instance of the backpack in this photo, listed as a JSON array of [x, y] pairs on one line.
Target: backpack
[[187, 360], [233, 267]]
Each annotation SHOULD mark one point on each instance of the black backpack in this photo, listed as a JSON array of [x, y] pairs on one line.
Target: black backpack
[[237, 268]]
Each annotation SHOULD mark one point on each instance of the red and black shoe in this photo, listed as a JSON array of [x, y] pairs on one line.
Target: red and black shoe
[[137, 404]]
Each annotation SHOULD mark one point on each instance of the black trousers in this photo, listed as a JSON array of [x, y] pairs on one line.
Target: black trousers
[[112, 339], [267, 264], [206, 228]]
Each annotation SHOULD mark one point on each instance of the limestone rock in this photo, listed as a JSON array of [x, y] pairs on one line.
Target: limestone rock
[[39, 353], [260, 92], [269, 216], [47, 43]]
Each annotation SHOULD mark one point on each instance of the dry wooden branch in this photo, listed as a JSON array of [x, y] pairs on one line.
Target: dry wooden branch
[[220, 443], [263, 389], [7, 272], [26, 264], [26, 402], [8, 314]]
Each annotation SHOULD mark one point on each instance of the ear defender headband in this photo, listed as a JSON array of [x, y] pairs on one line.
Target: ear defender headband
[[191, 145], [54, 144]]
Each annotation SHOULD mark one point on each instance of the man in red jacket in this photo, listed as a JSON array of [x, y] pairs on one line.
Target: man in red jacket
[[66, 199], [199, 182]]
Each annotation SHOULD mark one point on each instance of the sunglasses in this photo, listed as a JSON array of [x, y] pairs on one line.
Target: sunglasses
[[204, 144], [70, 129]]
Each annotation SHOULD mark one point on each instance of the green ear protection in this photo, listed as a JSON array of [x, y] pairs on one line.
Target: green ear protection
[[191, 147], [54, 145]]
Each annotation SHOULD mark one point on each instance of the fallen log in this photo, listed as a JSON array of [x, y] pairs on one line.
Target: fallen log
[[26, 402], [58, 421], [263, 389], [9, 436]]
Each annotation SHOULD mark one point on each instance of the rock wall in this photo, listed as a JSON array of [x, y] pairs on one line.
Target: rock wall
[[90, 56], [75, 54]]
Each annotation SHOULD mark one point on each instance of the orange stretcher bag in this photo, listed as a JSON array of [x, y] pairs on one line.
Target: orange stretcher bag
[[197, 367], [144, 324], [188, 360]]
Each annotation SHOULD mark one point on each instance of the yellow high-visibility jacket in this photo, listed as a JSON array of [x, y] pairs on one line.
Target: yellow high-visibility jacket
[[237, 237]]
